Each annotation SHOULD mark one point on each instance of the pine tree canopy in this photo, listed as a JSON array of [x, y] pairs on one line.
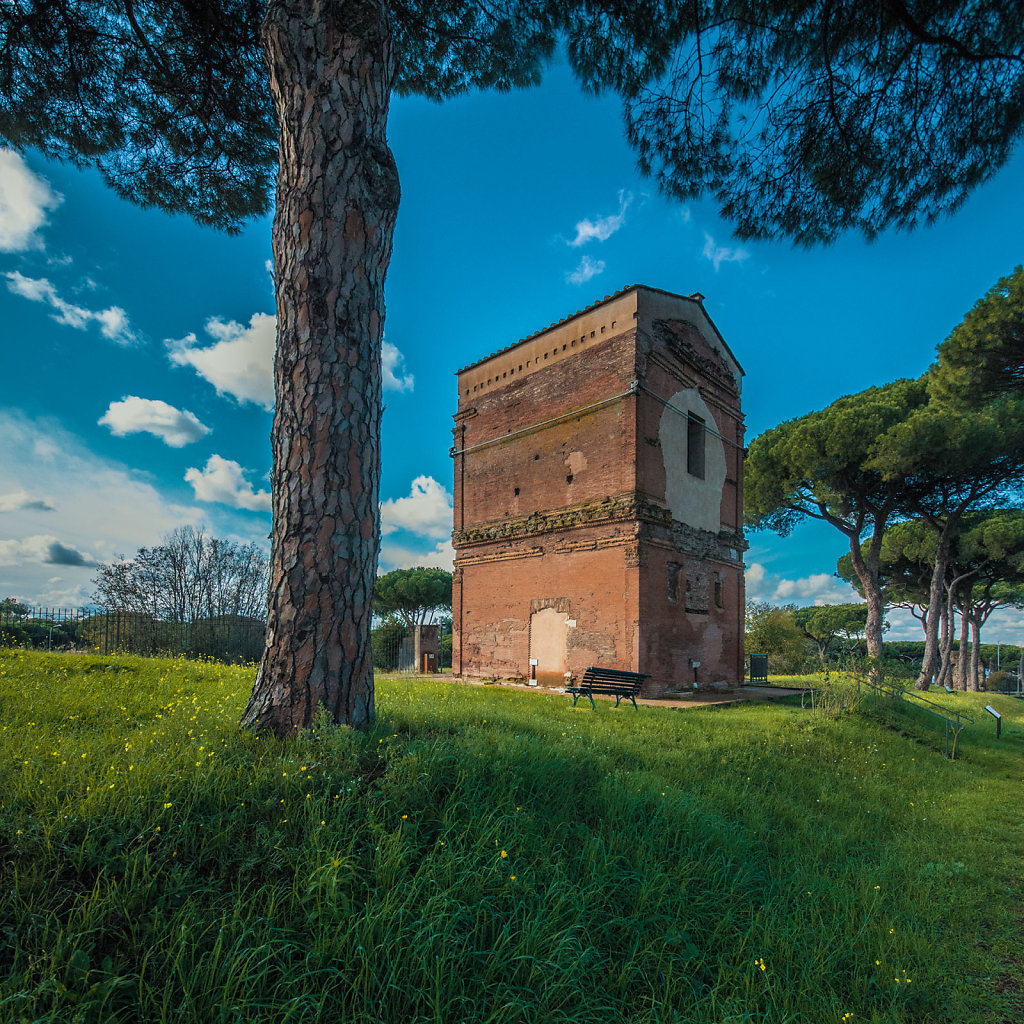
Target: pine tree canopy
[[984, 355], [802, 118]]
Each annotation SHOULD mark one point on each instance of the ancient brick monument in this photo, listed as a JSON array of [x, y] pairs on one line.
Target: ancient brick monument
[[598, 500]]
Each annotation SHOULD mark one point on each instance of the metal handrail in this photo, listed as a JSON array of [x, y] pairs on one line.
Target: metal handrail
[[951, 718]]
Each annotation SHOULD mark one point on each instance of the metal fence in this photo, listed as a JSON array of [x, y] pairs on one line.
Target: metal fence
[[394, 649], [230, 638]]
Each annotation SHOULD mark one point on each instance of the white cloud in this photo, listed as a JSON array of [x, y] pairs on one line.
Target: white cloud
[[134, 415], [604, 227], [719, 254], [753, 577], [427, 510], [685, 214], [818, 588], [21, 500], [587, 269], [45, 549], [113, 321], [60, 593], [903, 625], [99, 508], [24, 202], [240, 363], [395, 556], [223, 480], [393, 363], [1005, 626]]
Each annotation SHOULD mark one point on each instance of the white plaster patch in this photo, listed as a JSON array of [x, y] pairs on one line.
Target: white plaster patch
[[577, 462], [548, 643], [692, 500]]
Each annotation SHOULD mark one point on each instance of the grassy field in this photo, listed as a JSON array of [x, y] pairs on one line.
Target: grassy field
[[493, 855]]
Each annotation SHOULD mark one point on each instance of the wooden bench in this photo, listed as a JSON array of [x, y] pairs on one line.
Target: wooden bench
[[611, 682]]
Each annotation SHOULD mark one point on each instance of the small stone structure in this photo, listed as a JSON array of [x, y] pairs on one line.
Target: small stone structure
[[598, 500], [420, 651]]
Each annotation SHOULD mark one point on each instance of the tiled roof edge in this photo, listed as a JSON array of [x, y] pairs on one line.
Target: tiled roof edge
[[695, 297], [558, 323]]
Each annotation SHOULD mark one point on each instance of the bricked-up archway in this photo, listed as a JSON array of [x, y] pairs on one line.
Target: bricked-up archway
[[601, 460], [549, 645]]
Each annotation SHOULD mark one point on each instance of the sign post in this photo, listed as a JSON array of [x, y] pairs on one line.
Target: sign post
[[998, 717]]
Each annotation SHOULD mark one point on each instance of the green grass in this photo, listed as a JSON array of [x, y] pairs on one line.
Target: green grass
[[488, 854]]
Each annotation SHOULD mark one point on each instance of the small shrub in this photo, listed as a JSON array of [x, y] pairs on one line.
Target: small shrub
[[14, 636], [1000, 681]]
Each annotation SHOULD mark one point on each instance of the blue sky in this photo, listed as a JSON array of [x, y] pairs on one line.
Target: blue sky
[[136, 381]]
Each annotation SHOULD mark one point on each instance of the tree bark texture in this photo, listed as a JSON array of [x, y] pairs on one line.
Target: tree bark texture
[[936, 590], [963, 655], [945, 675], [975, 671], [868, 573], [945, 640], [331, 70]]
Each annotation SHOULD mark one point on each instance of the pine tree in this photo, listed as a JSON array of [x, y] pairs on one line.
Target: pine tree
[[803, 119]]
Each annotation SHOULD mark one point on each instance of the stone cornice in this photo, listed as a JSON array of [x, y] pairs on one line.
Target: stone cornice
[[618, 508], [724, 546], [655, 521], [672, 334]]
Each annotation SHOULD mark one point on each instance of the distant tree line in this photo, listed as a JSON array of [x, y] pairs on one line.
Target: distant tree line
[[983, 571], [20, 626], [190, 576], [923, 478], [198, 594], [193, 594], [802, 640]]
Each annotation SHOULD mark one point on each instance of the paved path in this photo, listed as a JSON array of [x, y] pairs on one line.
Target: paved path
[[709, 699], [701, 699]]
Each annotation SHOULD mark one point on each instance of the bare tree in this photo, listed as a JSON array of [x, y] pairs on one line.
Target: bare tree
[[189, 577]]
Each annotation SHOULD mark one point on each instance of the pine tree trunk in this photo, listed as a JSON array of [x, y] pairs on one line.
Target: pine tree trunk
[[964, 654], [945, 676], [873, 630], [931, 636], [975, 677], [868, 575], [331, 71]]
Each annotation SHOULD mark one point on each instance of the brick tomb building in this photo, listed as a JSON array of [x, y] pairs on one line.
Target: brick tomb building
[[598, 500]]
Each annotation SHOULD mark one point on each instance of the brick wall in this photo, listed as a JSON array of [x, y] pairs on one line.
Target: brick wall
[[595, 448], [573, 496]]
